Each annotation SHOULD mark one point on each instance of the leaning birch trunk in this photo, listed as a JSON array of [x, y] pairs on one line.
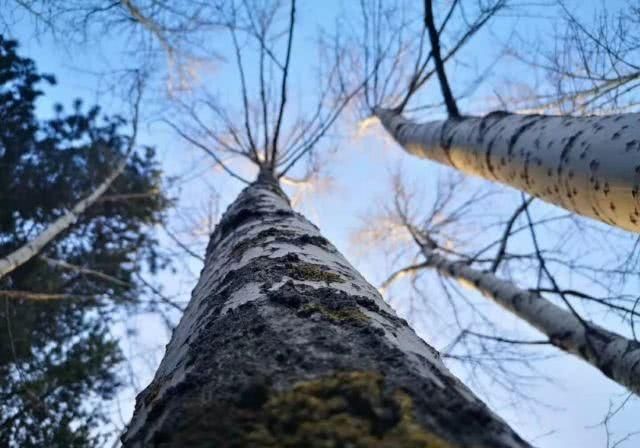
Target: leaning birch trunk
[[614, 355], [285, 344], [589, 165], [25, 253]]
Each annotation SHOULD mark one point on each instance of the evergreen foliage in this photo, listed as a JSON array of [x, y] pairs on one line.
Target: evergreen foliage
[[57, 360]]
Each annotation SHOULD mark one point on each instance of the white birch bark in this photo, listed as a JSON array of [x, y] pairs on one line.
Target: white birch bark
[[279, 313], [614, 355], [33, 247], [589, 165]]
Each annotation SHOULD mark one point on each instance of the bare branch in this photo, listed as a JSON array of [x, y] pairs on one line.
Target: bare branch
[[434, 38]]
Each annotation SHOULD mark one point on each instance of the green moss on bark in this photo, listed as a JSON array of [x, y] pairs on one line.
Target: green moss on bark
[[314, 273], [347, 409], [347, 314]]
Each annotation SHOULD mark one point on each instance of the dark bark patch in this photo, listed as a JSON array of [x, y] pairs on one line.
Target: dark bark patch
[[288, 296], [247, 208], [260, 239], [313, 240], [163, 401], [368, 304], [255, 395], [564, 154], [533, 120], [353, 409], [488, 121], [235, 220]]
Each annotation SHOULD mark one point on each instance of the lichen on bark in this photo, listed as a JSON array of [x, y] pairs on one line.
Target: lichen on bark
[[352, 409], [284, 343]]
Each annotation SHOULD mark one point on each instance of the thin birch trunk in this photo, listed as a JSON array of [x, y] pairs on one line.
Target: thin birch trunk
[[25, 253], [285, 344], [614, 355], [589, 165]]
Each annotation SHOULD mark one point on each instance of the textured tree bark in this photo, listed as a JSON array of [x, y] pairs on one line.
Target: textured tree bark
[[614, 355], [589, 165], [285, 344]]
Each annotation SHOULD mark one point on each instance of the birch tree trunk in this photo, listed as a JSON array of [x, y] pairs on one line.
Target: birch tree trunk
[[285, 344], [25, 253], [614, 355], [589, 165]]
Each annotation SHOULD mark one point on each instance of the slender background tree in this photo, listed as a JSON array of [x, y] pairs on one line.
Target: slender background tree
[[58, 360], [595, 285], [583, 164]]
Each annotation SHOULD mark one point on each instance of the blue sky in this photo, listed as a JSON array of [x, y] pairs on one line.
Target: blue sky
[[360, 167]]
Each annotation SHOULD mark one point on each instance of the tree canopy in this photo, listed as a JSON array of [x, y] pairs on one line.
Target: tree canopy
[[60, 361]]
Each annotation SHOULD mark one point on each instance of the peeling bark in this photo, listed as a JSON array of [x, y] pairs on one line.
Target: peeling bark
[[589, 165], [285, 344], [614, 355]]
